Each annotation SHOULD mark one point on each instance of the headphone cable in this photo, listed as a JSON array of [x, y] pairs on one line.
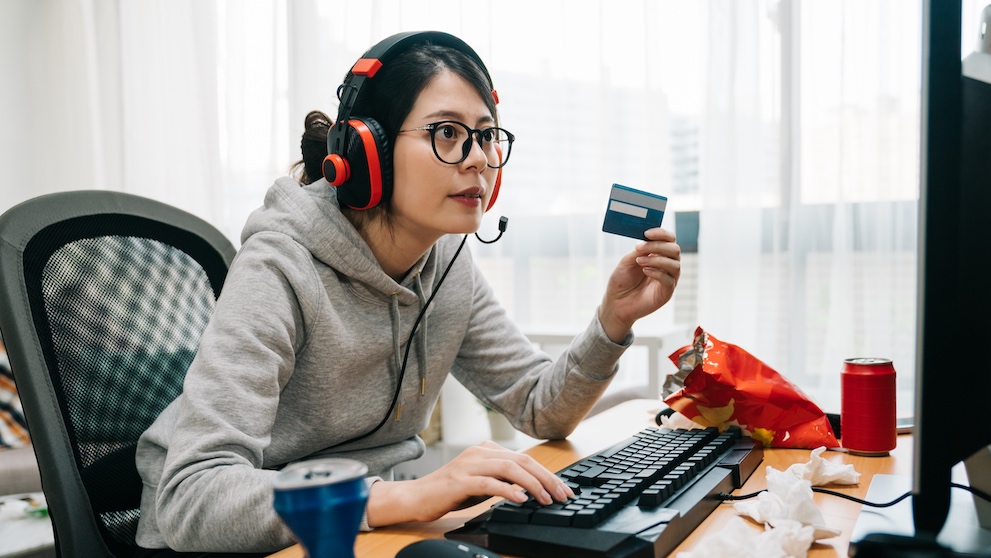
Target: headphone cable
[[409, 343]]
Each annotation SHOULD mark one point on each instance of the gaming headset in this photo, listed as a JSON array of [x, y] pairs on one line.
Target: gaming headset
[[359, 157]]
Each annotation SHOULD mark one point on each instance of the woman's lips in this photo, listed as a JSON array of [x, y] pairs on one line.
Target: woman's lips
[[468, 199]]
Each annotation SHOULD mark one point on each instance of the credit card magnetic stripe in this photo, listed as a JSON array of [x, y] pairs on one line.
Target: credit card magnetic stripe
[[637, 198], [631, 212]]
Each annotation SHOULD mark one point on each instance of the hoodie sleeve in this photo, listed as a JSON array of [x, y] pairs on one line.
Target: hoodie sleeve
[[542, 398], [214, 494]]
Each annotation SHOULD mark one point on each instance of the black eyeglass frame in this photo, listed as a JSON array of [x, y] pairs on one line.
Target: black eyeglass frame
[[474, 135]]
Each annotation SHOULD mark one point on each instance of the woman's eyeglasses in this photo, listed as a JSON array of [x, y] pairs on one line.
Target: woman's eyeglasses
[[452, 141]]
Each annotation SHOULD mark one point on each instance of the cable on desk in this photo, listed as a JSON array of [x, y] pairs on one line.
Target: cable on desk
[[859, 501], [727, 497], [975, 491]]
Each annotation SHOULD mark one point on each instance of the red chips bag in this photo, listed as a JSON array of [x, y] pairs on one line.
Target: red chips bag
[[720, 384]]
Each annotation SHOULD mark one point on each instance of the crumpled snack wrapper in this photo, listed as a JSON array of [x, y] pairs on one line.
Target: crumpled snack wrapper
[[720, 384]]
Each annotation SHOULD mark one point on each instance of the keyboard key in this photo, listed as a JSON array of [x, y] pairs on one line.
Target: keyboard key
[[590, 476], [510, 513], [547, 516], [650, 498]]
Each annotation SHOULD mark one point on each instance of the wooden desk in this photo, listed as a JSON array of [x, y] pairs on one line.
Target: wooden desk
[[611, 426]]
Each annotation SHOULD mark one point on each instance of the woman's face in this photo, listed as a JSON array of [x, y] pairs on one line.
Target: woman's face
[[431, 198]]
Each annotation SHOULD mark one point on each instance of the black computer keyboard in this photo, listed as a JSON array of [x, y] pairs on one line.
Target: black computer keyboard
[[638, 498]]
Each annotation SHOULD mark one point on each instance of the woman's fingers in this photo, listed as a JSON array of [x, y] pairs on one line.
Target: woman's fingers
[[506, 468], [660, 235], [483, 470], [660, 255], [668, 265]]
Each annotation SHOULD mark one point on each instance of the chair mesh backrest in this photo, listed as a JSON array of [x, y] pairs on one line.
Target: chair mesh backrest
[[124, 316]]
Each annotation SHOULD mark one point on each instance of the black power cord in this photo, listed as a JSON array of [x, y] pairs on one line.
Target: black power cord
[[975, 491]]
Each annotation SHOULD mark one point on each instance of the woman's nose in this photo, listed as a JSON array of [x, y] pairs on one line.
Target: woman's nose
[[476, 155]]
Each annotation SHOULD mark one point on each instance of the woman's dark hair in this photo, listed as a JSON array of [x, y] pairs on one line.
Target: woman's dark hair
[[388, 99]]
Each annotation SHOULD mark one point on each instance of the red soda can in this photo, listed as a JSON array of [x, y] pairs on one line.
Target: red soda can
[[868, 410]]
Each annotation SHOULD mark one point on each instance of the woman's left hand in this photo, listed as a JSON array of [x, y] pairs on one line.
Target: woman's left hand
[[643, 281]]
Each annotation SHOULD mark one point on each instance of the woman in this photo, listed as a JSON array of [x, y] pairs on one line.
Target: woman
[[333, 334]]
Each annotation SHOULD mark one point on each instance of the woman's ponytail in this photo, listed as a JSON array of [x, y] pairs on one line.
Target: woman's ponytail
[[313, 146]]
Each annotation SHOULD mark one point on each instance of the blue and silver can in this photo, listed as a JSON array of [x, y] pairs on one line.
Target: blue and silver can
[[322, 502]]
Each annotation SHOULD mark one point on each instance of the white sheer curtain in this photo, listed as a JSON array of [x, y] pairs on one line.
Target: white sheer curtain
[[810, 185], [787, 130], [182, 101]]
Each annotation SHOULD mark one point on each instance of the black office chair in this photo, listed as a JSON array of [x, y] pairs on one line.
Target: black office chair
[[103, 298]]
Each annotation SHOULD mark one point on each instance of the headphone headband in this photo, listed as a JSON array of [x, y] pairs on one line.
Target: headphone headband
[[348, 131], [372, 61]]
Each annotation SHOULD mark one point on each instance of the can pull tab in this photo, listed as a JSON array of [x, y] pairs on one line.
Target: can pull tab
[[318, 472]]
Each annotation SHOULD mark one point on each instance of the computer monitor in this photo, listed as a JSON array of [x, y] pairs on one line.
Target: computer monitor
[[953, 388], [953, 376]]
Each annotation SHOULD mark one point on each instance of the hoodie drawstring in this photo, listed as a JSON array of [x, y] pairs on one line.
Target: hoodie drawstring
[[394, 315], [420, 339]]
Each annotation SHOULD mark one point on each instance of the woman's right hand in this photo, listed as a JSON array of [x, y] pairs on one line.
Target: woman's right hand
[[487, 469]]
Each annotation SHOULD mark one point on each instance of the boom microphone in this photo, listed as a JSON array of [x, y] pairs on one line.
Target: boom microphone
[[502, 228]]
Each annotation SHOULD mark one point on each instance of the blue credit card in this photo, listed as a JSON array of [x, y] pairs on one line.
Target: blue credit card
[[631, 212]]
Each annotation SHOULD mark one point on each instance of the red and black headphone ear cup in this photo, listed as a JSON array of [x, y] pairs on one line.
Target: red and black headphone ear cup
[[498, 181], [336, 169], [366, 165]]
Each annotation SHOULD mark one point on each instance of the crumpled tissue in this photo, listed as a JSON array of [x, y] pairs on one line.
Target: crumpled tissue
[[787, 508], [820, 472], [790, 539], [789, 494], [787, 498]]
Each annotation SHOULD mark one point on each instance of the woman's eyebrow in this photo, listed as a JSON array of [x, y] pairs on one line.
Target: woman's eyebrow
[[454, 115]]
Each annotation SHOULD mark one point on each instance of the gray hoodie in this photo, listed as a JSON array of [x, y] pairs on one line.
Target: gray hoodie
[[304, 351]]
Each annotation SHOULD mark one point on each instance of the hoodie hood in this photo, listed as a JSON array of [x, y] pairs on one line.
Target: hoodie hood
[[311, 216]]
